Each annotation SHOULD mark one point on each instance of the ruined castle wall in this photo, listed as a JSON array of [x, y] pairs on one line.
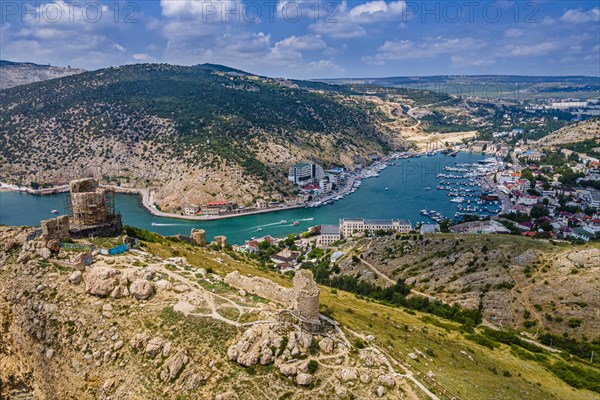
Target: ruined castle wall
[[55, 228], [261, 287]]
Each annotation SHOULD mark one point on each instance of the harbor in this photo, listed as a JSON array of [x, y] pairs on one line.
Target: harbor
[[396, 190]]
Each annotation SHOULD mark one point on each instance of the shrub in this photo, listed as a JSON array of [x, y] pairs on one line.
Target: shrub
[[312, 366]]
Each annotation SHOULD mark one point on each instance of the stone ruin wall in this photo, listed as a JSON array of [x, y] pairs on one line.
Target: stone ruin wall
[[303, 297], [55, 228], [261, 287]]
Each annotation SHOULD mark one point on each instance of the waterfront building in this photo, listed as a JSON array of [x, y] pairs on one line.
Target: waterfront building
[[261, 203], [191, 210], [303, 173], [352, 226], [329, 235]]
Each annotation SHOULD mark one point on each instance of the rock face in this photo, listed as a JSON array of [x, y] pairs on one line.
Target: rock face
[[100, 281], [141, 289], [173, 366]]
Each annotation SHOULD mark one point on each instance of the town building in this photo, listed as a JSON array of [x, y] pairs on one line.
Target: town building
[[303, 173], [329, 235], [351, 226], [191, 210]]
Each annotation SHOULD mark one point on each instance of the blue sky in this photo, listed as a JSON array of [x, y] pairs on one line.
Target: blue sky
[[311, 38]]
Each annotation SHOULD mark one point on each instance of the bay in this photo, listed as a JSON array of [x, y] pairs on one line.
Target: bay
[[406, 196]]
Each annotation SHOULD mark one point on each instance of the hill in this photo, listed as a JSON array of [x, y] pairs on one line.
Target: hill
[[189, 335], [197, 133], [573, 133], [14, 74], [516, 282]]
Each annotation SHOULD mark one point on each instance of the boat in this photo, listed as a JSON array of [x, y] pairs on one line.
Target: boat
[[258, 229], [458, 200], [283, 221], [387, 188], [427, 188], [54, 211], [296, 223]]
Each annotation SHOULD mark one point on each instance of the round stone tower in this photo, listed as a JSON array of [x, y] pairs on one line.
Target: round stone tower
[[221, 241], [306, 295], [199, 236]]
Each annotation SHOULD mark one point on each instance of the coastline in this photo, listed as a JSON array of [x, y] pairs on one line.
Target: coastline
[[145, 196]]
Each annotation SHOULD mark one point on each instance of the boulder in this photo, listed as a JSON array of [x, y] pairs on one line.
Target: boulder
[[154, 346], [173, 366], [386, 381], [181, 288], [348, 374], [163, 284], [380, 391], [139, 341], [365, 378], [119, 292], [45, 253], [304, 379], [53, 245], [141, 289], [75, 278], [326, 345], [100, 281], [341, 391], [288, 370]]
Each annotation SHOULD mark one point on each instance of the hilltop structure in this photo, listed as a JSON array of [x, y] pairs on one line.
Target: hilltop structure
[[91, 210]]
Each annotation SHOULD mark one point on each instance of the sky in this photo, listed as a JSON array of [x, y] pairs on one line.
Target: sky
[[311, 38]]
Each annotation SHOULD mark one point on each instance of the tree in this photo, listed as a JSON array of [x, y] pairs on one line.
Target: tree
[[539, 212]]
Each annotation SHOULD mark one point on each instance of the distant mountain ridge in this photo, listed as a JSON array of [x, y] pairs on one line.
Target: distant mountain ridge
[[21, 73]]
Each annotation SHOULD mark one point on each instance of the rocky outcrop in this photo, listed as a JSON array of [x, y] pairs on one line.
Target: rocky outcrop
[[141, 289], [173, 366], [100, 281]]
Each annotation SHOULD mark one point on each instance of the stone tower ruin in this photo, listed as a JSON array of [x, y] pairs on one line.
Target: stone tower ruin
[[306, 296], [91, 210], [199, 236]]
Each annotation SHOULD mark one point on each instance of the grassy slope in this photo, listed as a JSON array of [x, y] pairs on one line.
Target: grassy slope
[[464, 378]]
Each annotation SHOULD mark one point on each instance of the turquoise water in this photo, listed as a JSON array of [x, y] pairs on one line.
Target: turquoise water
[[405, 197]]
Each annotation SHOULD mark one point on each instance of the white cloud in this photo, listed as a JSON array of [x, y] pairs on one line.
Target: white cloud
[[347, 22], [513, 33], [305, 42], [143, 57], [578, 16], [532, 50], [394, 50], [81, 34]]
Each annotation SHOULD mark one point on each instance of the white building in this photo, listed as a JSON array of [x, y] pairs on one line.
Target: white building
[[329, 235], [352, 226], [191, 210], [303, 173]]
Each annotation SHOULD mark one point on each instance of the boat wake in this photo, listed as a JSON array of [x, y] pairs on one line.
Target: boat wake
[[159, 224]]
